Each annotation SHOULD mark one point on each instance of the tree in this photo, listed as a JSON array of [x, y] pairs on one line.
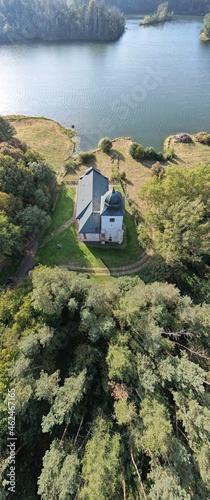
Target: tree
[[66, 397], [136, 151], [157, 428], [166, 484], [101, 477], [10, 238], [7, 131], [15, 178], [51, 289], [105, 144], [32, 220], [178, 211], [183, 235], [207, 25], [59, 474], [120, 362], [9, 204]]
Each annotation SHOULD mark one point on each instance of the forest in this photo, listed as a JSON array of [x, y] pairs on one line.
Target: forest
[[59, 20], [191, 7], [111, 389], [160, 16], [27, 192]]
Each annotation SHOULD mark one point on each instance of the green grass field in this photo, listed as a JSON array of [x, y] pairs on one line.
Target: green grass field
[[64, 208], [81, 255]]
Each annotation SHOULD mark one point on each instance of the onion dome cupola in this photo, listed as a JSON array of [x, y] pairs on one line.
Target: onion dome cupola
[[114, 200], [113, 203]]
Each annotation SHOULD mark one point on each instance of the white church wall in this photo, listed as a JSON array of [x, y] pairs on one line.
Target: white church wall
[[90, 237], [112, 227]]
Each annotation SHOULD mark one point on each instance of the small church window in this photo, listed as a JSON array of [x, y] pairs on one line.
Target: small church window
[[111, 220]]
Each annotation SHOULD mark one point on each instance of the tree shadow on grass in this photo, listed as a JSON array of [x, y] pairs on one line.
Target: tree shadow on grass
[[116, 155]]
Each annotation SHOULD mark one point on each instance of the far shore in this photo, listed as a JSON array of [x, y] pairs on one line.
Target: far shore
[[158, 21]]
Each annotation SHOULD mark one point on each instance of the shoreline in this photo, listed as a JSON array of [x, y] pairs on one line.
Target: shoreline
[[156, 21], [203, 37]]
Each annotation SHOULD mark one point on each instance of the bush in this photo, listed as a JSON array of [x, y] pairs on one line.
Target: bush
[[123, 176], [203, 138], [105, 144], [71, 166], [150, 154], [86, 157], [115, 175], [169, 153], [158, 170], [136, 150], [183, 138]]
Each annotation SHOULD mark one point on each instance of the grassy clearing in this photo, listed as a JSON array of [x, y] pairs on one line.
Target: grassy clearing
[[47, 137], [189, 155], [81, 255], [137, 173], [72, 251], [64, 208]]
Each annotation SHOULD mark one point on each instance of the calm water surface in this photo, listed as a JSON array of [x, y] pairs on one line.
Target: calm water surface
[[152, 82]]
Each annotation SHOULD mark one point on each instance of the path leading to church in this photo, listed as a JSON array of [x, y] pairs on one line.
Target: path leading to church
[[28, 260]]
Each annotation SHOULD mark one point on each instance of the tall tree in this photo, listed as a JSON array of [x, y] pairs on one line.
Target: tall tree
[[7, 131]]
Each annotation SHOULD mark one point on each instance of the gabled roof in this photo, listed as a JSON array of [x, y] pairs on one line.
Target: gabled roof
[[92, 185]]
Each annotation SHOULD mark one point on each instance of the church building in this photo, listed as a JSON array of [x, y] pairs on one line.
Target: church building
[[99, 210]]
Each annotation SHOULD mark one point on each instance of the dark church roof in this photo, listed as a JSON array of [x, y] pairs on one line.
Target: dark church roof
[[92, 185], [113, 204]]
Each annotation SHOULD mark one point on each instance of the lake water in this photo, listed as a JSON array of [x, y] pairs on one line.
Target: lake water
[[154, 81]]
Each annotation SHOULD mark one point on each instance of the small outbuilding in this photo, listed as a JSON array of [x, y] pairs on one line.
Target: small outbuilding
[[99, 210]]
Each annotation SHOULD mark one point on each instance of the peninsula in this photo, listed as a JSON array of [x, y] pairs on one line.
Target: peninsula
[[108, 374], [161, 16], [205, 33]]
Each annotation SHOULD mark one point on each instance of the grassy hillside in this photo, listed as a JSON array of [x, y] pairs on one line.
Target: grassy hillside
[[47, 137]]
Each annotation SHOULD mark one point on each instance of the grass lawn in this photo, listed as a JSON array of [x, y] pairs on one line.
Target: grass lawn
[[64, 208], [81, 255], [47, 137], [136, 172], [189, 155], [72, 251]]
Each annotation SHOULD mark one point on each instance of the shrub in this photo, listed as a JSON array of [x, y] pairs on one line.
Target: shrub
[[169, 153], [203, 138], [71, 166], [136, 150], [158, 170], [161, 156], [123, 176], [105, 144], [150, 154], [86, 157], [183, 138], [115, 175]]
